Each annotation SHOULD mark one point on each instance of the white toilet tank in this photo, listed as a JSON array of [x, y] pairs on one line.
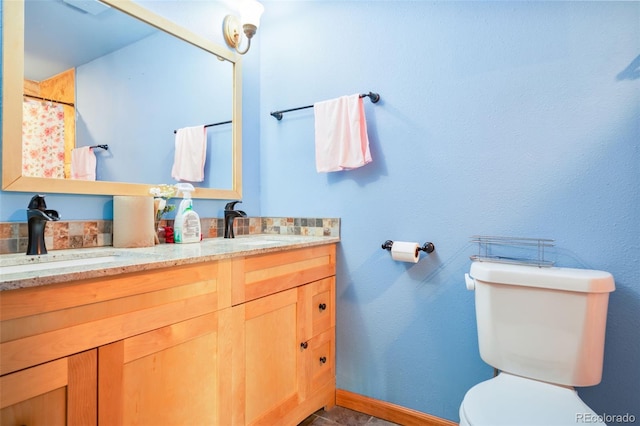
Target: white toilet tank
[[543, 323]]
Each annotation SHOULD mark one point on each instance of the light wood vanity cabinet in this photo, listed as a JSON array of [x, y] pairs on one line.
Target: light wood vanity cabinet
[[284, 336], [246, 340], [117, 350]]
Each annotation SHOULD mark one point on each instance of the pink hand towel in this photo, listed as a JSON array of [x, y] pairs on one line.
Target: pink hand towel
[[83, 163], [190, 155], [342, 142]]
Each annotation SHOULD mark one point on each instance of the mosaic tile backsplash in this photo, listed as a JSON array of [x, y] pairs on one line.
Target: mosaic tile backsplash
[[98, 233]]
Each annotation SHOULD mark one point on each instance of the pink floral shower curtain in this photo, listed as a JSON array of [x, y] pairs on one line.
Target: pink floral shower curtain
[[42, 139]]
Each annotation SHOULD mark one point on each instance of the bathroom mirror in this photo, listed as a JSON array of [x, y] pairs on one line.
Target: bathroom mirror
[[117, 86]]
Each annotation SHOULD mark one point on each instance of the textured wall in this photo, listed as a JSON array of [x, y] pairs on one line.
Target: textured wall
[[507, 118]]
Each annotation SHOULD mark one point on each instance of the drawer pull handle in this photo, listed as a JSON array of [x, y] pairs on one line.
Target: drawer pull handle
[[304, 345], [323, 359], [322, 306]]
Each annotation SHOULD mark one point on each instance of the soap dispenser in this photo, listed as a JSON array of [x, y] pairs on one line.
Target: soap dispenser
[[187, 222]]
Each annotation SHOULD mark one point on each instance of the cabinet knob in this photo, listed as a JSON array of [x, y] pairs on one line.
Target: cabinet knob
[[323, 359], [304, 345], [322, 306]]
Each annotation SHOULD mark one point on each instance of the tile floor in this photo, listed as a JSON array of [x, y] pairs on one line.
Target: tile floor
[[343, 417]]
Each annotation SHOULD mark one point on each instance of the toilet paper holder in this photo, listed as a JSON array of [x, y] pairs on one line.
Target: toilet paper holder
[[426, 247]]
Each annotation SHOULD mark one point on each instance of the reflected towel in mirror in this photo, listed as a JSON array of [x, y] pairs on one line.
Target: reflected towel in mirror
[[83, 163], [190, 154]]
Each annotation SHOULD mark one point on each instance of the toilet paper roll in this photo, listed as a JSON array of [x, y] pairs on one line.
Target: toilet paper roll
[[133, 221], [404, 251]]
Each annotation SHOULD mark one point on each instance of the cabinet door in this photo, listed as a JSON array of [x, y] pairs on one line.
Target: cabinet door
[[60, 392], [266, 353], [169, 376]]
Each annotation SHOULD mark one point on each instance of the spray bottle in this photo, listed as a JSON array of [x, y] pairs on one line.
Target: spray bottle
[[187, 221]]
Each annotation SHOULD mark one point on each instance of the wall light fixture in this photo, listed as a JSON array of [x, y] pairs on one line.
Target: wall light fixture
[[250, 12]]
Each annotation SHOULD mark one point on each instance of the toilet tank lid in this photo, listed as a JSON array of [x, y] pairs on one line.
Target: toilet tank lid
[[569, 279]]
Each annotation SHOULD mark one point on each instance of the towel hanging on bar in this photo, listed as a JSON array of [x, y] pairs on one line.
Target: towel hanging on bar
[[190, 154], [341, 138], [83, 163], [278, 114]]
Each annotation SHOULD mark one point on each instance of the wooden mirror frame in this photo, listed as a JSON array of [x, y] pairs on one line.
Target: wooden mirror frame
[[12, 95]]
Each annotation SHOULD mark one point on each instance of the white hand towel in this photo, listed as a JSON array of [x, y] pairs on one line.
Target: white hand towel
[[83, 163], [190, 155], [342, 142]]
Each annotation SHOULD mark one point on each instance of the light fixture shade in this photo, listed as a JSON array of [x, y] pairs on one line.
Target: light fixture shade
[[250, 12]]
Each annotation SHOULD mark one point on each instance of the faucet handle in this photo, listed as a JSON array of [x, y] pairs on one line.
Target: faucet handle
[[37, 202], [231, 205], [53, 215]]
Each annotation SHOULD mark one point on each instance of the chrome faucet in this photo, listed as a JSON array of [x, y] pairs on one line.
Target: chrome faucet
[[229, 214], [38, 216]]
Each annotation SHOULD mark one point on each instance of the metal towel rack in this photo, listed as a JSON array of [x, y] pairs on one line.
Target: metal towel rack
[[278, 114], [213, 124], [514, 250]]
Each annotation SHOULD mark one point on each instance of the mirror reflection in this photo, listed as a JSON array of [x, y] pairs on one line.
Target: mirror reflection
[[98, 80], [131, 93]]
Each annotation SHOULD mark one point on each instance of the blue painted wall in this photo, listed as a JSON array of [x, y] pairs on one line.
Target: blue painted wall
[[508, 118], [497, 118], [188, 86]]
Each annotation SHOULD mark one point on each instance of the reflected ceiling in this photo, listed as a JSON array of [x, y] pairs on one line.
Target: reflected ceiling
[[45, 59]]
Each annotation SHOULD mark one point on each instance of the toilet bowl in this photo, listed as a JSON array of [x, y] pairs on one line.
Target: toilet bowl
[[508, 400]]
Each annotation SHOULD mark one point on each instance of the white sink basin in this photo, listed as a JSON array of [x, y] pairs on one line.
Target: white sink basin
[[40, 264]]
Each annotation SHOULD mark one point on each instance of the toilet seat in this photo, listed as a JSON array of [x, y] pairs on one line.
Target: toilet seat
[[511, 400]]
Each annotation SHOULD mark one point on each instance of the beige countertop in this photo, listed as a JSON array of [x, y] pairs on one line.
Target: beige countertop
[[20, 270]]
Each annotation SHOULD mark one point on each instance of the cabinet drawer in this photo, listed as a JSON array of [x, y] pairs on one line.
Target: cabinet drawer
[[320, 364], [258, 276], [322, 305]]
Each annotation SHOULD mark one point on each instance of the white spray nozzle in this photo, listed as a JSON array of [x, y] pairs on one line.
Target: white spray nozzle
[[185, 188]]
